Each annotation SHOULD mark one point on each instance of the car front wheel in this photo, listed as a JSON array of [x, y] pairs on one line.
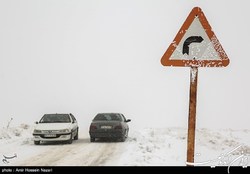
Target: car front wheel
[[76, 137], [70, 140], [92, 139]]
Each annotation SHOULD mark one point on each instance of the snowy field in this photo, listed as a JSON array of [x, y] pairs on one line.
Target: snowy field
[[145, 147]]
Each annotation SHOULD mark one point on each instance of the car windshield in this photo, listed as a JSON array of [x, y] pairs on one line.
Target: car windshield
[[55, 118], [107, 117]]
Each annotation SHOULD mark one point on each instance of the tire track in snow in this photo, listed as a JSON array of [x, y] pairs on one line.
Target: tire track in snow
[[104, 154], [80, 153]]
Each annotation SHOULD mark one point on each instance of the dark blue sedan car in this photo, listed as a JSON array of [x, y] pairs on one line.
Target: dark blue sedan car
[[109, 125]]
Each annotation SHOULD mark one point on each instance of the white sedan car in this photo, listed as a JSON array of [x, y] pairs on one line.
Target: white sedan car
[[56, 127]]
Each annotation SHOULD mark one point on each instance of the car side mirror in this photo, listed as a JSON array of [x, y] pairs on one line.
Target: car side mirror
[[36, 122], [128, 120]]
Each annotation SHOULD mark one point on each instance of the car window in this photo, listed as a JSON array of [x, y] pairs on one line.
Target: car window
[[55, 118], [115, 117], [107, 117], [123, 118], [73, 118]]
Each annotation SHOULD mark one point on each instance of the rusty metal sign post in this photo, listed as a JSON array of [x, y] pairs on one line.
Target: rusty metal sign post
[[194, 46], [192, 114]]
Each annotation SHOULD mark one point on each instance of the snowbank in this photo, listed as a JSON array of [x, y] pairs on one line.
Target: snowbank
[[23, 132], [145, 147], [167, 147]]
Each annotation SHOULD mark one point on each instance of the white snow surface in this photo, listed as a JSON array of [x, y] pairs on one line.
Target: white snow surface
[[144, 147]]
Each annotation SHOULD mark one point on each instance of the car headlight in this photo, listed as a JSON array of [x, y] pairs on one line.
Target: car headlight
[[37, 131], [65, 131]]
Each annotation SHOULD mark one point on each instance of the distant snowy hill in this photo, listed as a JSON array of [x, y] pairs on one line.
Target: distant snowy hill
[[145, 147]]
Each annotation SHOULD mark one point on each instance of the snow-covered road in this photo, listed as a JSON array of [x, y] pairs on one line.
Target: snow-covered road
[[80, 153]]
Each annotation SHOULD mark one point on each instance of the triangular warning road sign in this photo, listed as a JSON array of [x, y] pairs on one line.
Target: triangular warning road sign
[[195, 45]]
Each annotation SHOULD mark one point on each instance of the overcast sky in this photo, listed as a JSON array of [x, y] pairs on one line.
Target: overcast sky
[[91, 56]]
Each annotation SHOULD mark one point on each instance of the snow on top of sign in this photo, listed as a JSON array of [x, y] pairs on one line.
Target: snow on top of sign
[[218, 47], [202, 64]]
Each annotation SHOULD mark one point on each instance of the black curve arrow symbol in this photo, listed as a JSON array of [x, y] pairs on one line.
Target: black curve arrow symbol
[[190, 40]]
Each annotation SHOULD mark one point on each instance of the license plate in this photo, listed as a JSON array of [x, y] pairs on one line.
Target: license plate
[[106, 127], [50, 135]]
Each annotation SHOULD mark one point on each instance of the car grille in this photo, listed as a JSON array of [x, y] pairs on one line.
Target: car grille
[[56, 136], [50, 131]]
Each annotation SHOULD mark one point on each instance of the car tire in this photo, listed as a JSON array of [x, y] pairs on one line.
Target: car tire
[[126, 135], [92, 139], [70, 140], [123, 138], [76, 137], [36, 142]]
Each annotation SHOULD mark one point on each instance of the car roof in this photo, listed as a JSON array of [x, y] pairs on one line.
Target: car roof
[[58, 114], [109, 113]]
